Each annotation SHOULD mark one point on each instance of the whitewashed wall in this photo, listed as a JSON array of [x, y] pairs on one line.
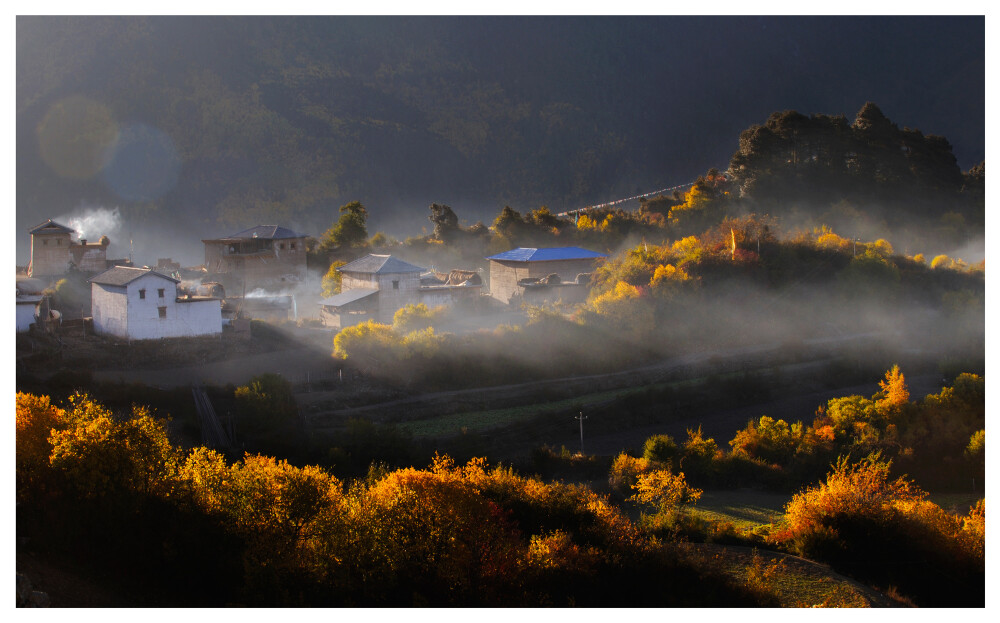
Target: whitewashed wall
[[109, 308], [121, 311], [144, 322], [25, 315], [197, 317]]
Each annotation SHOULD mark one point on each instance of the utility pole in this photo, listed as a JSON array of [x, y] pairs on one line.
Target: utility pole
[[581, 417]]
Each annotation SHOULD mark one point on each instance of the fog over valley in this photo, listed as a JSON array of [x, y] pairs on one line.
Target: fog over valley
[[509, 311]]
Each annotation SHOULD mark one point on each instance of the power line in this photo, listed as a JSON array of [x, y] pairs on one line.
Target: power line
[[608, 204]]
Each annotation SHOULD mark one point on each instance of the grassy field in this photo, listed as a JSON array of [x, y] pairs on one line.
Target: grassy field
[[957, 502], [797, 582], [746, 509], [480, 421]]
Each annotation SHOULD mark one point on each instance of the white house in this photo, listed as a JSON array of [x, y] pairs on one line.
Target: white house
[[142, 304], [27, 304]]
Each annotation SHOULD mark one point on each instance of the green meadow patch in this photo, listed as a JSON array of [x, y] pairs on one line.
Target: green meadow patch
[[746, 509], [479, 421]]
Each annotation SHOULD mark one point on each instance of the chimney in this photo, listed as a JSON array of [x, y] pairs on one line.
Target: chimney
[[83, 241]]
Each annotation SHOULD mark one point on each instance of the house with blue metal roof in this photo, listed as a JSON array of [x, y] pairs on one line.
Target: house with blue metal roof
[[257, 257], [542, 274]]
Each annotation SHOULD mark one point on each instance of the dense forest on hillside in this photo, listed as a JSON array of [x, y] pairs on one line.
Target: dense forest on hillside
[[274, 119], [210, 125]]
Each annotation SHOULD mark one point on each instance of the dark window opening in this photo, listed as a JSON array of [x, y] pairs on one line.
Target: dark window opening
[[142, 294], [159, 292], [163, 311], [291, 245], [45, 242], [395, 285], [281, 245], [251, 246]]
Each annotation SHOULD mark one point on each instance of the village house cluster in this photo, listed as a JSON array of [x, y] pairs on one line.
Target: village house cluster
[[167, 300]]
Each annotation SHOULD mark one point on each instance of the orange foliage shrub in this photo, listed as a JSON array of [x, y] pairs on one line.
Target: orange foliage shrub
[[826, 239], [866, 523], [665, 489], [894, 394], [625, 470], [558, 551], [98, 455], [698, 447], [36, 419], [434, 528], [862, 488], [450, 534], [626, 310], [771, 440]]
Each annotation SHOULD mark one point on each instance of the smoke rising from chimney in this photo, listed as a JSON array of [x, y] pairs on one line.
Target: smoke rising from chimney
[[92, 223]]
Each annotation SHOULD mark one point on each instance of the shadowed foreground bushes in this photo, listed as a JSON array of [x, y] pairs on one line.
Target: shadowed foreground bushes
[[885, 532], [114, 494]]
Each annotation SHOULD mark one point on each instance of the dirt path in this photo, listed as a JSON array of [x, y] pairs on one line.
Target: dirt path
[[644, 375], [816, 581]]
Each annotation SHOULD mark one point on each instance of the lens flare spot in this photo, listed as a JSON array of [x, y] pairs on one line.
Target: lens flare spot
[[144, 165], [74, 137]]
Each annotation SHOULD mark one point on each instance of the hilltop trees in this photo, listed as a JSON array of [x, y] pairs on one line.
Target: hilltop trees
[[350, 230], [445, 222], [793, 161]]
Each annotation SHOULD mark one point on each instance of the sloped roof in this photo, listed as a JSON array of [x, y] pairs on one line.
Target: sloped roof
[[350, 296], [51, 227], [547, 254], [124, 275], [272, 232], [379, 264]]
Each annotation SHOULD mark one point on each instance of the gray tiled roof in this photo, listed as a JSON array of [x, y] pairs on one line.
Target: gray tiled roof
[[51, 227], [124, 275], [349, 296], [379, 264]]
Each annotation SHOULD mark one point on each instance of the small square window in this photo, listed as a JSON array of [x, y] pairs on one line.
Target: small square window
[[395, 285], [159, 292], [142, 294], [291, 245], [163, 311], [281, 245]]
